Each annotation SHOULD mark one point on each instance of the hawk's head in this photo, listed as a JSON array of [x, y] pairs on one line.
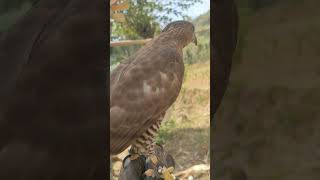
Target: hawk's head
[[183, 29]]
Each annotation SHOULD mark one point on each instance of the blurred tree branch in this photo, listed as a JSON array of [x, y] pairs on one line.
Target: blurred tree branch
[[143, 18]]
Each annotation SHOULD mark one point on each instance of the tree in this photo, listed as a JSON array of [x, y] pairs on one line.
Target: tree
[[144, 17]]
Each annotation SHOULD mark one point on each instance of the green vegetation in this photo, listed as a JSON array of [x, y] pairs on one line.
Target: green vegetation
[[166, 131], [192, 54], [143, 20]]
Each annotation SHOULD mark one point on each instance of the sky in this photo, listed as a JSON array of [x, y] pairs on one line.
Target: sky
[[197, 9], [193, 12]]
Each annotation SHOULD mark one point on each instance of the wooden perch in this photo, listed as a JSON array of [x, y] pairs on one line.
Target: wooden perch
[[129, 42]]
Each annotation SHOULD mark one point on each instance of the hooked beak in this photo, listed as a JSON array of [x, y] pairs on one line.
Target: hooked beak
[[194, 39]]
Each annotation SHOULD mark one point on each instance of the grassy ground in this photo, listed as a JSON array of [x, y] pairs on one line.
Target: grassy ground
[[185, 133]]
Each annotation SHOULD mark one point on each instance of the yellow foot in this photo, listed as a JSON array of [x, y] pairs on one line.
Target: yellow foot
[[167, 173]]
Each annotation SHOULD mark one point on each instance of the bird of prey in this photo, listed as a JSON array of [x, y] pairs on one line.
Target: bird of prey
[[52, 92], [143, 87]]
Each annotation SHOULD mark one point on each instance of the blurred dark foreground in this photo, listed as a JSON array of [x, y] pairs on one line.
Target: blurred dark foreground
[[267, 127]]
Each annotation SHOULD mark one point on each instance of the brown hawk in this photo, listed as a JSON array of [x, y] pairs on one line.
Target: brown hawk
[[144, 86]]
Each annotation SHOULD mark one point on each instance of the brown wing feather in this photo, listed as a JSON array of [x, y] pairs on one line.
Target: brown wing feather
[[141, 90]]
